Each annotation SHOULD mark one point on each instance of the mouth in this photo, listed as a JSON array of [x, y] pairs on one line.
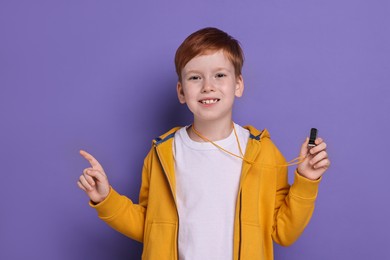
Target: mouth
[[209, 101]]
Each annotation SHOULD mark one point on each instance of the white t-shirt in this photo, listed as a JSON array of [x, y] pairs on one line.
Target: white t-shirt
[[207, 182]]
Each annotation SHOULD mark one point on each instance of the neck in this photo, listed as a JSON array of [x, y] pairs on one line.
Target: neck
[[214, 131]]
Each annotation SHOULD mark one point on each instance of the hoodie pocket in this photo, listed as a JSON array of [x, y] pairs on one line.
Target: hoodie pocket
[[252, 247], [160, 241]]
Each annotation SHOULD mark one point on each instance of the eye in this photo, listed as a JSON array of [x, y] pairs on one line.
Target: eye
[[194, 78], [220, 75]]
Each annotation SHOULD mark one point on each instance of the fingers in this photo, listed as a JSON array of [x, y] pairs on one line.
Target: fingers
[[318, 155], [84, 184], [320, 146], [81, 186], [318, 140], [322, 164], [92, 173], [94, 163], [320, 160], [88, 179]]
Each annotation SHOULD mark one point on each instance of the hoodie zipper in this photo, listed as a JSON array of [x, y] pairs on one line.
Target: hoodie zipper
[[174, 199]]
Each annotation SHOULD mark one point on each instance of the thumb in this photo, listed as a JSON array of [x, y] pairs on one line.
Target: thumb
[[304, 148]]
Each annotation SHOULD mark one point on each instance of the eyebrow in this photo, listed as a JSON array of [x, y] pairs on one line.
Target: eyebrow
[[192, 71], [198, 72]]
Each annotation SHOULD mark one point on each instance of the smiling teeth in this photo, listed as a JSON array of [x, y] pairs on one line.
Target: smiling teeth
[[209, 101]]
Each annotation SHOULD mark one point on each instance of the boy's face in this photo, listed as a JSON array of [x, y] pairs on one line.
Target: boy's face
[[209, 86]]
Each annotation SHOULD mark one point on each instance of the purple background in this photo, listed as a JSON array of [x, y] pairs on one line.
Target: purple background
[[99, 75]]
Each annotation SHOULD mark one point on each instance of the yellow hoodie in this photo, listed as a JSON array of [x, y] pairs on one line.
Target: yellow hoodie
[[267, 208]]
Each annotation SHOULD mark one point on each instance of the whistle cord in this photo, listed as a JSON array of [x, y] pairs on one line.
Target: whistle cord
[[295, 161]]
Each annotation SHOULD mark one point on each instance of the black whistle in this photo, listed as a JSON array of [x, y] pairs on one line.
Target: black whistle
[[313, 137]]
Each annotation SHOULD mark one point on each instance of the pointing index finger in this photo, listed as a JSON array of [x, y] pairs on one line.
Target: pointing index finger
[[94, 163]]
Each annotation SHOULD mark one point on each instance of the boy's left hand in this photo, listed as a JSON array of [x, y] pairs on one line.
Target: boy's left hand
[[316, 160]]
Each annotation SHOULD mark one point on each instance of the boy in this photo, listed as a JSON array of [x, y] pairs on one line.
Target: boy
[[211, 190]]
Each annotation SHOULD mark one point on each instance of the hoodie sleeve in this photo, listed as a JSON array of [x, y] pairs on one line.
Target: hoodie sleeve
[[294, 205], [120, 213]]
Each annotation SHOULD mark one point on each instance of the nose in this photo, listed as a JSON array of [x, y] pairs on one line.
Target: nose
[[207, 86]]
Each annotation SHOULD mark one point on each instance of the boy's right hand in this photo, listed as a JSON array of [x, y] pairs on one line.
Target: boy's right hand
[[94, 180]]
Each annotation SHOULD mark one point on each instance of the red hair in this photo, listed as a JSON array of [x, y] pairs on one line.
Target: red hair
[[205, 40]]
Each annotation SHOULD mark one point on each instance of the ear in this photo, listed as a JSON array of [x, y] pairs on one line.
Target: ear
[[180, 93], [239, 86]]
